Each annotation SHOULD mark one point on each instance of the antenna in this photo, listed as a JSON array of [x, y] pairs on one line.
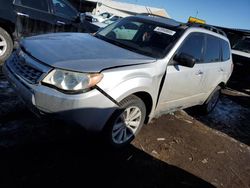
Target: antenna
[[148, 10], [196, 13]]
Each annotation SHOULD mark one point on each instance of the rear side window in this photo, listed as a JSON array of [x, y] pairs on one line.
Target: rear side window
[[193, 46], [63, 9], [213, 49], [225, 50], [40, 5]]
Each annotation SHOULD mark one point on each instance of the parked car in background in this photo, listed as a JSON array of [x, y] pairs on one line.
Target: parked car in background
[[99, 25], [21, 18], [98, 18], [242, 47], [241, 57], [124, 75]]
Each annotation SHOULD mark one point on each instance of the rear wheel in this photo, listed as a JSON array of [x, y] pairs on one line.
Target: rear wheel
[[211, 102], [126, 122], [6, 45]]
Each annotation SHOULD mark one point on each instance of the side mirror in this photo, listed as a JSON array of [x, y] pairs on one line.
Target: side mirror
[[77, 19], [185, 60], [82, 17]]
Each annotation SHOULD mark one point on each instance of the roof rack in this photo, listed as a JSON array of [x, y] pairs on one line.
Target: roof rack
[[208, 27], [205, 26]]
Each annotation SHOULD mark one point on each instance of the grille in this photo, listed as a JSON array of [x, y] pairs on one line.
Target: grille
[[24, 70]]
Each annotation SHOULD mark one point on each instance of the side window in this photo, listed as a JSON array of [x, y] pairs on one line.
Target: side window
[[212, 53], [225, 50], [193, 46], [63, 9], [40, 5]]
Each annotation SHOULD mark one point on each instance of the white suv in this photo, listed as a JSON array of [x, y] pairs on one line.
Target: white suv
[[124, 75]]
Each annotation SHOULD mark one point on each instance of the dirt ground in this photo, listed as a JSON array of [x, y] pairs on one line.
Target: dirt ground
[[176, 150]]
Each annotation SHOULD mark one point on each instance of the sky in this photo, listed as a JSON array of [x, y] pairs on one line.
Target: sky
[[225, 13]]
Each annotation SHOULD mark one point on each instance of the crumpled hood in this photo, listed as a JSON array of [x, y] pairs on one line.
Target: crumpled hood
[[80, 52]]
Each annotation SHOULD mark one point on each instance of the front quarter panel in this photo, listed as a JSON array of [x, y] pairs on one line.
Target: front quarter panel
[[119, 83]]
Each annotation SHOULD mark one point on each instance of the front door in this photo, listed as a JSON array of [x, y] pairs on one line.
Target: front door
[[33, 17], [183, 86]]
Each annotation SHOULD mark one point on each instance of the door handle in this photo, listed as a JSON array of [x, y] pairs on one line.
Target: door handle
[[221, 70], [199, 73], [60, 23], [22, 14]]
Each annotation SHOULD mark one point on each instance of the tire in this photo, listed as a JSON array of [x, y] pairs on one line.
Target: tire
[[121, 128], [211, 102], [6, 45]]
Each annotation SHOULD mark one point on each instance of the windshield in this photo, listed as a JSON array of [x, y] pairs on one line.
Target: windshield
[[243, 45], [139, 35]]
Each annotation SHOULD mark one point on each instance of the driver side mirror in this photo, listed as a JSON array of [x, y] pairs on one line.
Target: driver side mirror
[[82, 17], [77, 19], [185, 60]]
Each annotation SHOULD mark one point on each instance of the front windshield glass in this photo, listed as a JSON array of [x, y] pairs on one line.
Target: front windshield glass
[[243, 45], [139, 35]]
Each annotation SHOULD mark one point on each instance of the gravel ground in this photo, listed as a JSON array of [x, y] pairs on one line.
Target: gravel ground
[[175, 150]]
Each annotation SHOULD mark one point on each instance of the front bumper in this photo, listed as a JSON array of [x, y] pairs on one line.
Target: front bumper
[[90, 110]]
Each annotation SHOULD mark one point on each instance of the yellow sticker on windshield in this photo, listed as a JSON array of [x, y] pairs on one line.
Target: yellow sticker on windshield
[[164, 30]]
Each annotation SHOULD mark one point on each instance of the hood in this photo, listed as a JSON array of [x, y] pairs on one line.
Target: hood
[[80, 52]]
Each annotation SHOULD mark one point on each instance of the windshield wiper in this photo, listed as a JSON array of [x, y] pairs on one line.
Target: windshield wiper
[[115, 42]]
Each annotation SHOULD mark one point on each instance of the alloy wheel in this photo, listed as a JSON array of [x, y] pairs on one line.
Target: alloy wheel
[[3, 45], [126, 124]]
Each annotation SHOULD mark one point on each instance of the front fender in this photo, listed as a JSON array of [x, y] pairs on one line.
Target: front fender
[[132, 86], [121, 83]]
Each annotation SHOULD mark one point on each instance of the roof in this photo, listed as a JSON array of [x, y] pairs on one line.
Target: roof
[[159, 19], [174, 23]]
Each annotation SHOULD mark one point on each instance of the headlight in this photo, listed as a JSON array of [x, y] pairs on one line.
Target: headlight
[[72, 81]]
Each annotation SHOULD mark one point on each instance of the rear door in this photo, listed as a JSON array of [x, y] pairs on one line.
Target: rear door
[[226, 63], [66, 16], [183, 86], [33, 17], [214, 68]]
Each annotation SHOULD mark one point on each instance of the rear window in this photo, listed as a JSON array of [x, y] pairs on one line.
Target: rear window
[[40, 5], [225, 50], [212, 53], [63, 9]]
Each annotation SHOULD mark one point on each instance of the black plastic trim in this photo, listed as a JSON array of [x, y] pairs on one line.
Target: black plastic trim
[[106, 95], [160, 87]]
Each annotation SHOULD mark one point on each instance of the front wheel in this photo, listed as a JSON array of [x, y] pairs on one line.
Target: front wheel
[[6, 45], [126, 122]]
